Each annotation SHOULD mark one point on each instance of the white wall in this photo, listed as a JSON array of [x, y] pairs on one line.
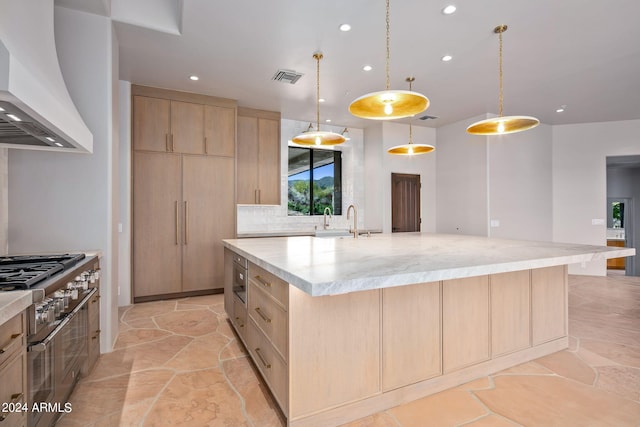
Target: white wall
[[373, 156], [424, 165], [274, 219], [579, 181], [462, 178], [520, 184], [64, 201], [4, 201], [124, 237]]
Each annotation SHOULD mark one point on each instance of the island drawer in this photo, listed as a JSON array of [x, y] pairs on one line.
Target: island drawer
[[269, 316], [240, 316], [13, 392], [12, 336], [269, 363], [270, 283]]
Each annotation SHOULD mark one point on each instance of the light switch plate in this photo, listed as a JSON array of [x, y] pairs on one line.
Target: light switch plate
[[495, 223]]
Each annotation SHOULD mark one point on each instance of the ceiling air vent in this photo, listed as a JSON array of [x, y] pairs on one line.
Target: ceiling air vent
[[286, 76], [427, 117]]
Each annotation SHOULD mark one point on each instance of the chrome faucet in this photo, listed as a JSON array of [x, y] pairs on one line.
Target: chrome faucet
[[354, 230], [327, 210]]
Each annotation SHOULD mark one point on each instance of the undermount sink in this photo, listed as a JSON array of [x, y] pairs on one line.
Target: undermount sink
[[333, 232]]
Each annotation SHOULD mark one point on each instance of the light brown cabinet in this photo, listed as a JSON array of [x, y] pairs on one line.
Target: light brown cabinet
[[616, 263], [258, 157], [13, 370], [183, 193], [93, 335]]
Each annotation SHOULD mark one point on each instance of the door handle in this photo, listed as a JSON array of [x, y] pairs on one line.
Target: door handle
[[177, 225], [186, 222]]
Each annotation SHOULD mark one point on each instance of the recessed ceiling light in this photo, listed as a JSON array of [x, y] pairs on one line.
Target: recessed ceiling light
[[449, 9], [328, 120], [447, 58], [194, 78], [561, 109], [345, 27], [367, 68], [321, 100]]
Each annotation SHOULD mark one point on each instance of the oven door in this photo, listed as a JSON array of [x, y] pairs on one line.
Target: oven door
[[40, 373], [240, 282]]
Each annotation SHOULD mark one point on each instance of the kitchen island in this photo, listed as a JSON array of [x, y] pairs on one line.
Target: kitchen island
[[343, 328]]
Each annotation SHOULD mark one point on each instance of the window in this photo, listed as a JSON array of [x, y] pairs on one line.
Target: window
[[315, 181]]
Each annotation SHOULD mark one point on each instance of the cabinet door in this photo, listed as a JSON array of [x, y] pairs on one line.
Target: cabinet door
[[208, 218], [156, 218], [410, 334], [548, 303], [150, 124], [510, 312], [269, 162], [247, 174], [220, 131], [187, 127], [465, 302]]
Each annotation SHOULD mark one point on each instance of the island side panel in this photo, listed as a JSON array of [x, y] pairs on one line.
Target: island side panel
[[549, 316], [510, 312], [465, 322], [411, 347], [334, 350]]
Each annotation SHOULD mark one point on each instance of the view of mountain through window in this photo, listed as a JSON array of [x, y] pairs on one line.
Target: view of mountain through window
[[314, 181]]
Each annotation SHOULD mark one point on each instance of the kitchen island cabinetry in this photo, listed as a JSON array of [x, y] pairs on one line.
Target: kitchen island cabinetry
[[13, 371], [258, 157], [183, 192], [376, 322]]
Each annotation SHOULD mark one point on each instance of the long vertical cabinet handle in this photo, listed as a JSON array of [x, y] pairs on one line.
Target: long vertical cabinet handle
[[177, 225], [166, 142], [205, 145], [186, 222], [259, 195], [173, 148]]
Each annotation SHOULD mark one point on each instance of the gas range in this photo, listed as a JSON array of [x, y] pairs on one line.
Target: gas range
[[25, 271]]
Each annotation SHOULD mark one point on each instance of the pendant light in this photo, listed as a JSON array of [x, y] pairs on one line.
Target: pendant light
[[389, 104], [411, 149], [502, 124], [316, 136]]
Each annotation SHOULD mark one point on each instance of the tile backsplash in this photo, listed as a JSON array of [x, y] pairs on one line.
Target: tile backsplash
[[275, 219]]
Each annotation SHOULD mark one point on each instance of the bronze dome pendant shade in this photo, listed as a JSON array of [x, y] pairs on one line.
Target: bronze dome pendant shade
[[389, 104], [317, 137], [502, 124], [411, 149]]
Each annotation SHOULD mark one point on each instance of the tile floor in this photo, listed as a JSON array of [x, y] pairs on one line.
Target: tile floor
[[179, 363]]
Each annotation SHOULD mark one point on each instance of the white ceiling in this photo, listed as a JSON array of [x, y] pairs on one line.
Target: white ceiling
[[583, 54]]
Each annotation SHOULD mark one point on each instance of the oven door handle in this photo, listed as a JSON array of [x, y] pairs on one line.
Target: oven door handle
[[42, 345]]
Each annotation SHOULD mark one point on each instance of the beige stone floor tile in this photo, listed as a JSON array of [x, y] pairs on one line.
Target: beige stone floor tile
[[381, 419], [201, 353], [140, 323], [620, 380], [138, 336], [448, 408], [594, 360], [528, 368], [148, 309], [556, 401], [479, 384], [192, 322], [568, 365], [199, 398], [492, 421], [259, 405], [622, 354]]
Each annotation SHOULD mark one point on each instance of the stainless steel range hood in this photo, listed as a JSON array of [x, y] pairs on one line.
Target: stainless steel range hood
[[36, 110]]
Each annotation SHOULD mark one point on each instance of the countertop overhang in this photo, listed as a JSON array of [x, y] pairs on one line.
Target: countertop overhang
[[329, 266]]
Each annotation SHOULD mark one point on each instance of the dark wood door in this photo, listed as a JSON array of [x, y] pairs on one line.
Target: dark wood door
[[405, 202]]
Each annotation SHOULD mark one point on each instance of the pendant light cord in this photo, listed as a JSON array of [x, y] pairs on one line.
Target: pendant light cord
[[388, 47], [501, 29], [318, 57]]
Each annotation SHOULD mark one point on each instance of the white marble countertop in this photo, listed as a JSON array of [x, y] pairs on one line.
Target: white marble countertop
[[12, 303], [327, 266]]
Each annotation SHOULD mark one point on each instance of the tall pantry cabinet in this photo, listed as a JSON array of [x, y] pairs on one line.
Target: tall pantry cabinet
[[183, 191]]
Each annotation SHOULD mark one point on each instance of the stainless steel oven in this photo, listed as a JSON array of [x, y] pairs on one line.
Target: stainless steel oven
[[54, 362], [240, 276]]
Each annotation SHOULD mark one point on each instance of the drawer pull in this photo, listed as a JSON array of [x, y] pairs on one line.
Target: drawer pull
[[239, 324], [264, 362], [15, 398], [262, 315], [14, 337], [264, 282]]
